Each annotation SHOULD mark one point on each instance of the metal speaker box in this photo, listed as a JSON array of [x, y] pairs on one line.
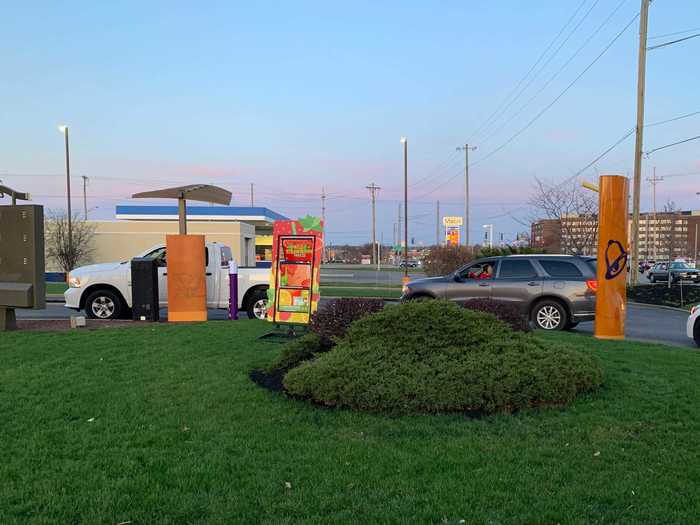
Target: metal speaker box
[[144, 289], [22, 255]]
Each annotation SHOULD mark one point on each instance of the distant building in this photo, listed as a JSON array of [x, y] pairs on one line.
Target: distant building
[[260, 218], [663, 236]]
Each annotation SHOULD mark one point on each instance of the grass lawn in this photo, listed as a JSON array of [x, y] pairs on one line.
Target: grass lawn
[[161, 424], [344, 291], [56, 288]]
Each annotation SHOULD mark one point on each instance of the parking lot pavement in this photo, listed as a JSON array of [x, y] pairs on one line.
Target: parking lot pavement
[[652, 324]]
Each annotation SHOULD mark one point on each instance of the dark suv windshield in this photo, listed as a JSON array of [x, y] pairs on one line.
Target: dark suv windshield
[[680, 266]]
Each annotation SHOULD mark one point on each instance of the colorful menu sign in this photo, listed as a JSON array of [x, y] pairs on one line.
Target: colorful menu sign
[[295, 280], [452, 235]]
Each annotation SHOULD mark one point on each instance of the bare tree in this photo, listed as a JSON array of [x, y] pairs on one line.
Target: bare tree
[[670, 236], [80, 250], [576, 210]]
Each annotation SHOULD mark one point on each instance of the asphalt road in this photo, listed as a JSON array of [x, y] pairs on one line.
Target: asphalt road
[[332, 273], [644, 323]]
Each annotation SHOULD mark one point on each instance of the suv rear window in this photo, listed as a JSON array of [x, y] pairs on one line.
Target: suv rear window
[[560, 268], [516, 268]]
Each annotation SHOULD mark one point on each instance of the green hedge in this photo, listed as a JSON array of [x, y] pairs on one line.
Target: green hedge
[[662, 295], [434, 356]]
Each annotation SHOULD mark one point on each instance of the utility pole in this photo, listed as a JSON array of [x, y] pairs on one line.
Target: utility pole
[[639, 142], [404, 141], [373, 189], [466, 148], [437, 225], [85, 179], [252, 195], [654, 181]]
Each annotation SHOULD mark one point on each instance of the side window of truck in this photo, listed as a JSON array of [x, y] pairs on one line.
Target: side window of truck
[[226, 256]]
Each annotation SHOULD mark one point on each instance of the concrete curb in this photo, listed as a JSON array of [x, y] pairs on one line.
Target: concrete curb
[[660, 306], [55, 299]]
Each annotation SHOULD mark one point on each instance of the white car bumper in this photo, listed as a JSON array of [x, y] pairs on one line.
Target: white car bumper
[[690, 326], [72, 297]]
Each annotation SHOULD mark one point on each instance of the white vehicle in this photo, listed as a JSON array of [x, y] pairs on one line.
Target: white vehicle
[[104, 290], [693, 326]]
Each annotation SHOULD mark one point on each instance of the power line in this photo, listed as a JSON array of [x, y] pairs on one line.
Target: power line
[[673, 42], [532, 68], [560, 95], [687, 115], [561, 68], [546, 108], [529, 83], [674, 34], [616, 144], [670, 145]]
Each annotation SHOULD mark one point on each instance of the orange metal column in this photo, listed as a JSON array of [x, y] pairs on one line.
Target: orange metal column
[[612, 257], [187, 287]]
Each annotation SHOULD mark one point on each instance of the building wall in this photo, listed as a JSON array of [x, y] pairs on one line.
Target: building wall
[[122, 240], [664, 236]]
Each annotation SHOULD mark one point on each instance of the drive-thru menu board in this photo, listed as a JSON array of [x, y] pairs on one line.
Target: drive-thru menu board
[[295, 279]]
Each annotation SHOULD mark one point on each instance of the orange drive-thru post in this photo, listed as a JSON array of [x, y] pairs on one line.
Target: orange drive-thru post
[[613, 254], [187, 287]]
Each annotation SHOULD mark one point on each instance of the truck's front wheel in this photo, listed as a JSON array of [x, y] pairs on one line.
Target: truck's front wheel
[[257, 305], [104, 305]]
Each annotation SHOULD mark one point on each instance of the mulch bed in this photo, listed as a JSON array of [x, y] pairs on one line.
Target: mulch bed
[[56, 325]]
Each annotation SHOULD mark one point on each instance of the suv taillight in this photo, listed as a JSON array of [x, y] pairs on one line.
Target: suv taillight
[[592, 285]]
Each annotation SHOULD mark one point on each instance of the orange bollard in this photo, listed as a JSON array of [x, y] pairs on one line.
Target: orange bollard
[[612, 257], [187, 286]]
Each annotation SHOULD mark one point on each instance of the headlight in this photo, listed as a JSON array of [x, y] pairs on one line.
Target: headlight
[[405, 289], [74, 282], [694, 309]]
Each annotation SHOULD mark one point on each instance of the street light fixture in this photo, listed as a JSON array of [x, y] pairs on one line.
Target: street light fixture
[[404, 141], [64, 129]]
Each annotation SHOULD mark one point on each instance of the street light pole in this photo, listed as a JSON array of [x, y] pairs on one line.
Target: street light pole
[[64, 130], [405, 208], [466, 148]]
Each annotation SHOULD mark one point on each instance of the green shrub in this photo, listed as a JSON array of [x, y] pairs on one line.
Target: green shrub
[[332, 320], [434, 356], [661, 294], [296, 352], [505, 311]]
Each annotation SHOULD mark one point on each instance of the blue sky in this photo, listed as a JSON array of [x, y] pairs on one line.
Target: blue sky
[[293, 96]]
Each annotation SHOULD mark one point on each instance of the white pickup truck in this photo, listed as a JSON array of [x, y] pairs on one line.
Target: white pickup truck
[[104, 290]]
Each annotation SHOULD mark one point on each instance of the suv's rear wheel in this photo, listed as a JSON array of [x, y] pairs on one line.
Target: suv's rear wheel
[[103, 304], [696, 332], [549, 315]]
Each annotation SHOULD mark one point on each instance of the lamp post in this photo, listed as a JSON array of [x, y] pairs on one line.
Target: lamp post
[[64, 129], [405, 208]]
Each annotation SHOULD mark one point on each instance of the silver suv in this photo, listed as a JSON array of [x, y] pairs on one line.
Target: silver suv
[[556, 292]]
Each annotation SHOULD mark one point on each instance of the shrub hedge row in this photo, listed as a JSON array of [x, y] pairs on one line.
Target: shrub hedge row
[[661, 294]]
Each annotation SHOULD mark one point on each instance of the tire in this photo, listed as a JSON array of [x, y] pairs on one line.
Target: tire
[[104, 305], [550, 316], [257, 305], [696, 333]]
